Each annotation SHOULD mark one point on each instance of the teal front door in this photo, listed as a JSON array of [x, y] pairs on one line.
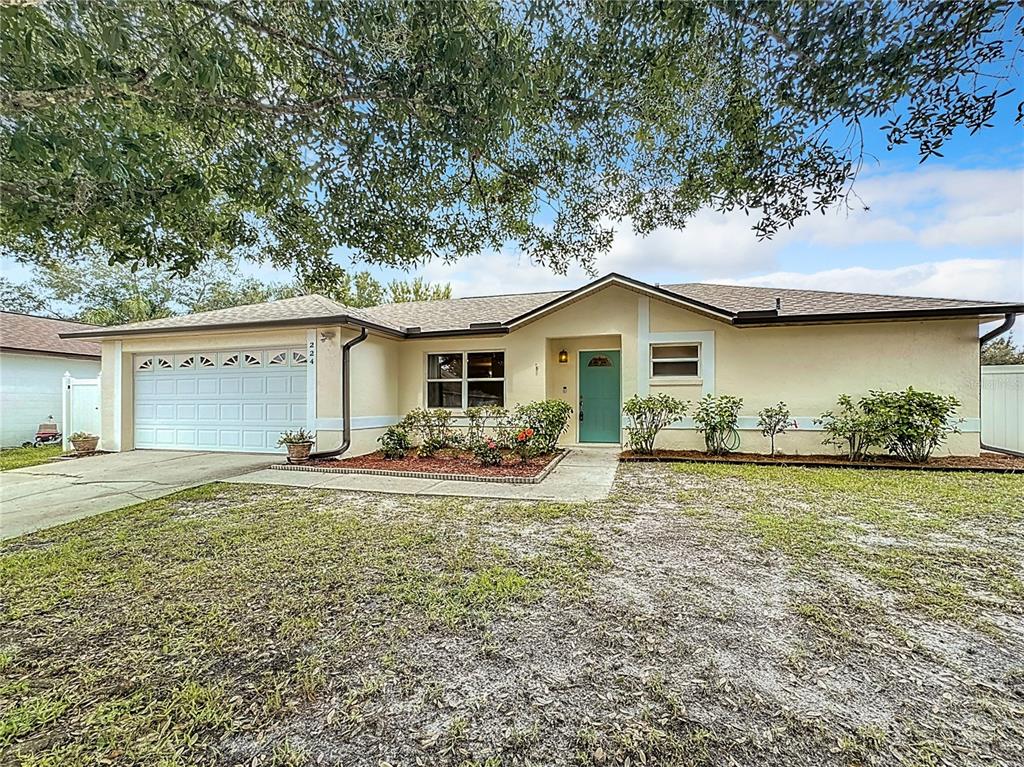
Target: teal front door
[[598, 413]]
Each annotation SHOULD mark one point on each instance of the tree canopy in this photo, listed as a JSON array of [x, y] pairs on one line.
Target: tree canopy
[[167, 131], [89, 289], [1002, 351]]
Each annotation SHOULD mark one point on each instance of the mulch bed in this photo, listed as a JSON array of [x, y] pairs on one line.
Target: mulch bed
[[444, 462], [986, 462]]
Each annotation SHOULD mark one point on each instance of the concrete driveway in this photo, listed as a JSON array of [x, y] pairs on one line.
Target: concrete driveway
[[44, 496]]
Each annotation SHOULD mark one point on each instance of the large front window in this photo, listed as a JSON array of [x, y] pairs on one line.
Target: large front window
[[465, 379]]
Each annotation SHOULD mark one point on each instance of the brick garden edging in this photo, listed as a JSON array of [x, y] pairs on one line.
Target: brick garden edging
[[819, 464], [534, 480]]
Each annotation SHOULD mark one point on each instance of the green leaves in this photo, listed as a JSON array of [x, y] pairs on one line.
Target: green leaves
[[402, 131]]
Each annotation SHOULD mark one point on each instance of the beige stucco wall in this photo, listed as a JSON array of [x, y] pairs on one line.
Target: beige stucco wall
[[806, 366]]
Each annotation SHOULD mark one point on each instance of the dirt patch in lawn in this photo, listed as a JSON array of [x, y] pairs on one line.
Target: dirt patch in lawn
[[444, 462], [985, 461], [702, 615]]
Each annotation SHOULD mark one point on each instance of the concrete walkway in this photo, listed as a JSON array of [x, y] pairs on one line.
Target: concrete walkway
[[585, 474], [51, 494]]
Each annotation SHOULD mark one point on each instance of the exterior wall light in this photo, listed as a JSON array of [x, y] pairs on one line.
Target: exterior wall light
[[563, 356]]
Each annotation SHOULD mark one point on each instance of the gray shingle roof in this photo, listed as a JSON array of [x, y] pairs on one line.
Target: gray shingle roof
[[460, 313], [24, 332], [743, 298], [286, 310], [726, 302]]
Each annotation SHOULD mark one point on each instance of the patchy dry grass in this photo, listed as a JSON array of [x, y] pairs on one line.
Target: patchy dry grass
[[19, 457], [703, 615]]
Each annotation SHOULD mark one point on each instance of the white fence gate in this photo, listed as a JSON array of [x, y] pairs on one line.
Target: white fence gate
[[81, 406], [1002, 406]]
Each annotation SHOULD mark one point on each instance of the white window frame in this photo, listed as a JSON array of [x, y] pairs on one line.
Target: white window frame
[[466, 380], [699, 359]]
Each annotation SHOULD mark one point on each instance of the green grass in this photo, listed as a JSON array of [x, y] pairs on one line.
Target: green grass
[[921, 535], [285, 623], [154, 623], [19, 457]]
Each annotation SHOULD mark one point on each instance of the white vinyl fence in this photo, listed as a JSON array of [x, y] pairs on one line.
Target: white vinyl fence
[[1002, 406], [81, 408]]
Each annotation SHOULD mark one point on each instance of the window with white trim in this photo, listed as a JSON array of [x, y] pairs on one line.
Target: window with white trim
[[458, 380], [675, 360]]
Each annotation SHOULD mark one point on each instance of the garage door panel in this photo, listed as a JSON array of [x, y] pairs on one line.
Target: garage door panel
[[254, 385], [207, 412], [254, 440], [253, 411], [220, 405]]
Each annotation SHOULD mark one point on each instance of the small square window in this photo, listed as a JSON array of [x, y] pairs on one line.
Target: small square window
[[675, 361]]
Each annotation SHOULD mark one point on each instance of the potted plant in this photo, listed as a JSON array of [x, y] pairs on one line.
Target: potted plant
[[84, 442], [299, 444]]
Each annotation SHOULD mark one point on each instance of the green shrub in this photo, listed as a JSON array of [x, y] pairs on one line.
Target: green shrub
[[433, 426], [773, 421], [851, 427], [648, 416], [913, 423], [716, 418], [547, 418], [527, 444], [488, 452], [431, 445], [479, 419], [395, 443]]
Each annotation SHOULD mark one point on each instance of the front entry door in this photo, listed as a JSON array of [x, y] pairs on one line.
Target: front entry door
[[599, 406]]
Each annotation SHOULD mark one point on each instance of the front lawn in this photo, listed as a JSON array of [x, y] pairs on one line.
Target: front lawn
[[702, 615], [19, 457]]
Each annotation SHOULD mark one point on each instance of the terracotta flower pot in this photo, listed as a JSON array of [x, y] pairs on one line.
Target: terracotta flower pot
[[87, 445], [298, 452]]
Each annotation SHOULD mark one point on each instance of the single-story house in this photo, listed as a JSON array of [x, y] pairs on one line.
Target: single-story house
[[33, 361], [233, 379]]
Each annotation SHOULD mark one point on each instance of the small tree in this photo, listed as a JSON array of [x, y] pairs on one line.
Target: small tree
[[717, 418], [913, 422], [648, 416], [850, 427], [774, 420]]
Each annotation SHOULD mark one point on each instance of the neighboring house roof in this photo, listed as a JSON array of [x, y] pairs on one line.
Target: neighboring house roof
[[42, 335], [732, 304]]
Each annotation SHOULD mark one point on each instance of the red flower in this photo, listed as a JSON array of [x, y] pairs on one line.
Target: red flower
[[529, 432], [521, 437], [491, 444]]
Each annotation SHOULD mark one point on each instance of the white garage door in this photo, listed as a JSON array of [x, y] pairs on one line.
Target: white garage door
[[233, 401]]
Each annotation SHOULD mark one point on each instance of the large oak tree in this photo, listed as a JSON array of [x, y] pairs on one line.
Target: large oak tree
[[164, 131]]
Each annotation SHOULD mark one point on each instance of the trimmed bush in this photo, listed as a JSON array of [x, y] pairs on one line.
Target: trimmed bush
[[648, 416], [851, 427], [773, 421], [548, 419], [395, 443], [435, 427], [716, 418], [913, 423], [488, 452]]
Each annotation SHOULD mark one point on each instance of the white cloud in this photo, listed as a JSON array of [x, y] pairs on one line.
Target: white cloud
[[710, 243], [968, 278], [493, 273]]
